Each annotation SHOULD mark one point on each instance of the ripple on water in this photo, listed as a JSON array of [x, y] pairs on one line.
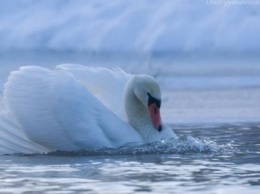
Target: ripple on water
[[227, 161]]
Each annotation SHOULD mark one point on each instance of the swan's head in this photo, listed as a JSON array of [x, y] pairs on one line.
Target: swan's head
[[147, 94]]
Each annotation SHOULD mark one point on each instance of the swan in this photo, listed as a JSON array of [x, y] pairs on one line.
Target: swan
[[75, 107]]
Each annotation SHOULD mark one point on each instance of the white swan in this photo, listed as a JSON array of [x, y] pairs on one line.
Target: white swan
[[75, 107]]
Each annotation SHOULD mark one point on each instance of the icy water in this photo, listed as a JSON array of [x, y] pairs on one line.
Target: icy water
[[213, 106]]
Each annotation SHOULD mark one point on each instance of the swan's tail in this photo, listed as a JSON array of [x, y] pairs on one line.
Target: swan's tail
[[13, 140]]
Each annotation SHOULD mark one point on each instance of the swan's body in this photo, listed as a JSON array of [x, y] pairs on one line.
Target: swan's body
[[75, 107]]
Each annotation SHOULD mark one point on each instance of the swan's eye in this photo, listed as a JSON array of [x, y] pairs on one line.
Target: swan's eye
[[152, 100]]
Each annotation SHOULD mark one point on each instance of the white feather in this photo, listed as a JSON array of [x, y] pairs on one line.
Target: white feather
[[13, 140], [106, 84], [59, 113]]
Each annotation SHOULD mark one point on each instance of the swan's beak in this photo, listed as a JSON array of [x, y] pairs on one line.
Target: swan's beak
[[154, 111]]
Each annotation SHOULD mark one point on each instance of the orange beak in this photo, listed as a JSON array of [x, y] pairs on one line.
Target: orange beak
[[154, 111]]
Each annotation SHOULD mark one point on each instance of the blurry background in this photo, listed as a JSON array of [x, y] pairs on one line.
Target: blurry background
[[206, 55], [135, 27]]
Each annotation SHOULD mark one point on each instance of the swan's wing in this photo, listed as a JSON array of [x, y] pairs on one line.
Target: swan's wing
[[57, 112], [106, 84]]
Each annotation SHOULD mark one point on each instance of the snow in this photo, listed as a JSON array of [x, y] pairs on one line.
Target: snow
[[136, 26]]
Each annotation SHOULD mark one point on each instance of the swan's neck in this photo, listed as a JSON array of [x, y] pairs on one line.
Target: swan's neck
[[138, 115]]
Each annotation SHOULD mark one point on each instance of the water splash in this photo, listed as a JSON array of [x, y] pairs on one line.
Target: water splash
[[183, 144]]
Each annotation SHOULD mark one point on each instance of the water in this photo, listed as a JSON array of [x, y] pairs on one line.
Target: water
[[235, 167], [217, 120]]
